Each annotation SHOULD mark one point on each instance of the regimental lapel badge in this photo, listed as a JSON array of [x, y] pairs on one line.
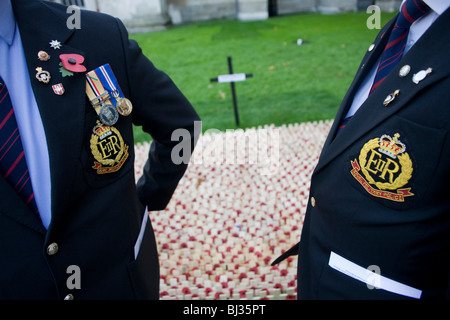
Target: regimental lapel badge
[[386, 168], [43, 56], [55, 44], [42, 75], [422, 74], [58, 89], [390, 97], [404, 71], [108, 149]]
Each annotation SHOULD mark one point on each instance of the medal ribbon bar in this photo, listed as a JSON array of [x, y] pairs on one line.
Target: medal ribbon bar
[[110, 82], [95, 100], [103, 86]]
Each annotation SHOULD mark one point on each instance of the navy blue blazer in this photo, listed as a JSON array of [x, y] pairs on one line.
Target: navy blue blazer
[[96, 216], [380, 194]]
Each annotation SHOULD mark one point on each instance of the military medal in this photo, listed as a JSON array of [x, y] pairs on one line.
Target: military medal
[[109, 81], [100, 99], [422, 74], [42, 75], [124, 106], [107, 145], [108, 114]]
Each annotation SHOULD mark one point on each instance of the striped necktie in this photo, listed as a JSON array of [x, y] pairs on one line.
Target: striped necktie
[[393, 52], [13, 165], [411, 11]]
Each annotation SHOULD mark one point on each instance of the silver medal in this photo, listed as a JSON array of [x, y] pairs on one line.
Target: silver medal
[[108, 114]]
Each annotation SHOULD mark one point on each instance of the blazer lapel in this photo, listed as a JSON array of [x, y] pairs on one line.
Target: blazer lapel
[[370, 58], [373, 113], [16, 209], [62, 115]]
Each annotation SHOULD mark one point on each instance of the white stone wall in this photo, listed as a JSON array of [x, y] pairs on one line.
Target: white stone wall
[[182, 11], [252, 10], [134, 13], [333, 6], [141, 14], [295, 6], [389, 5]]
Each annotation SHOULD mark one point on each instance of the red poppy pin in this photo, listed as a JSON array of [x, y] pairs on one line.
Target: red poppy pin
[[73, 62]]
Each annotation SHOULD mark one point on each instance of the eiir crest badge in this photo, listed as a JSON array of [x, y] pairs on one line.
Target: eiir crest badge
[[384, 168], [108, 149]]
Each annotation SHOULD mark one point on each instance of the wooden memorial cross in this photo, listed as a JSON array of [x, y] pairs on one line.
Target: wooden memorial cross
[[232, 78]]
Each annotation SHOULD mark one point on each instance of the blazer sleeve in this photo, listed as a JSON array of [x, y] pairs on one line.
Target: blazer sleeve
[[160, 108]]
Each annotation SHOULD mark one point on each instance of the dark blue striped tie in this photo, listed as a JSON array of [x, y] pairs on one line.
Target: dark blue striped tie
[[393, 52], [13, 165]]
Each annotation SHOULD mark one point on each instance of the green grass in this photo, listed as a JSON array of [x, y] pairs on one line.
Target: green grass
[[290, 83]]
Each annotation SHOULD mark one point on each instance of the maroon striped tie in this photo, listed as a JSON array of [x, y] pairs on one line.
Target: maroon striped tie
[[13, 165], [393, 52]]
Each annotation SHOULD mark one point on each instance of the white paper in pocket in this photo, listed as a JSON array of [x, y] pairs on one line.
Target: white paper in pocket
[[371, 279]]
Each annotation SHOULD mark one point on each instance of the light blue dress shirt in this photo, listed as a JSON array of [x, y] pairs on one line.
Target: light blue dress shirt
[[13, 70]]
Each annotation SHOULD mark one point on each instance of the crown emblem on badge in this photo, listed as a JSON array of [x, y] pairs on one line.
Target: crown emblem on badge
[[108, 148], [102, 131], [391, 147], [384, 168]]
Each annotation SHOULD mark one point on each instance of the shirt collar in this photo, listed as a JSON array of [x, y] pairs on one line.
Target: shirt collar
[[7, 21], [438, 6]]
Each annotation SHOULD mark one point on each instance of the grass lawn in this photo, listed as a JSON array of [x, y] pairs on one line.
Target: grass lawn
[[290, 83]]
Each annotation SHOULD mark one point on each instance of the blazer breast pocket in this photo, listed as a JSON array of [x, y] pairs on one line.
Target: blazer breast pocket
[[395, 164], [107, 155]]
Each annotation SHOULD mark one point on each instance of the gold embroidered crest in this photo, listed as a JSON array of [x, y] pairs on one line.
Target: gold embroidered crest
[[108, 148], [385, 166]]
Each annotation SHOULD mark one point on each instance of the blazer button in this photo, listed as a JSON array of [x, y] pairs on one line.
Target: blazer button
[[69, 297], [313, 201], [52, 249]]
